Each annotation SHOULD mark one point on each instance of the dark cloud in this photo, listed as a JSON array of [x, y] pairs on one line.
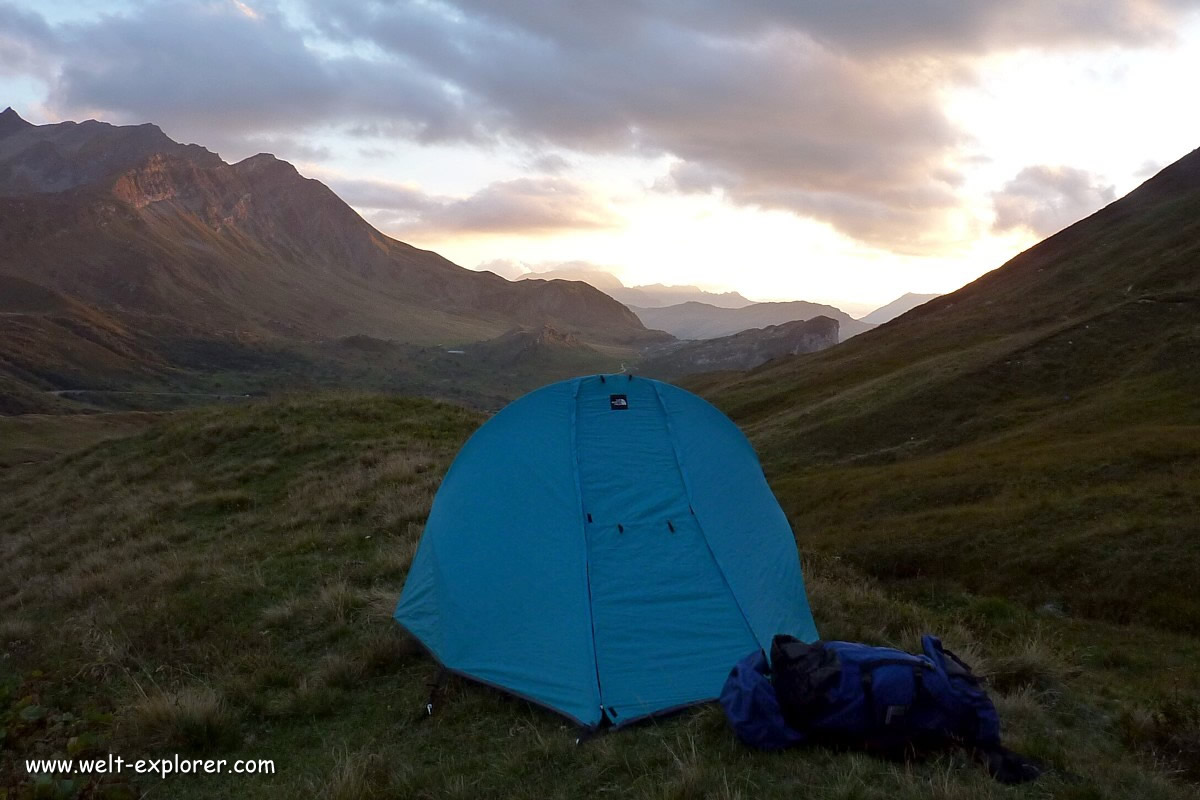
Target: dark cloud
[[1045, 200], [549, 164], [935, 27], [25, 42], [828, 110], [525, 205], [212, 71]]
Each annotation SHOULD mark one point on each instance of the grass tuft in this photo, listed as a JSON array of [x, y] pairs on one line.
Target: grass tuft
[[1031, 664], [1168, 732], [358, 776], [193, 719]]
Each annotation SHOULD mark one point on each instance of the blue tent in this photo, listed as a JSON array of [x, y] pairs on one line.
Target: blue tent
[[606, 547]]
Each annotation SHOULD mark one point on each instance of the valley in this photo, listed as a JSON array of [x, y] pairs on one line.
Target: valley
[[1015, 465]]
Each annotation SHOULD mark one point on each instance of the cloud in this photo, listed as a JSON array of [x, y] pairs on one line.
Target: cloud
[[1045, 200], [829, 110], [25, 40], [524, 205], [1148, 169], [934, 27], [287, 148], [549, 164], [383, 195], [214, 72]]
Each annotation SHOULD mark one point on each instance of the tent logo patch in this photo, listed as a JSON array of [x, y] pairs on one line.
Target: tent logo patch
[[618, 402]]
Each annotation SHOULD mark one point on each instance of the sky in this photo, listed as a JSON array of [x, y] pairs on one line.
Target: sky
[[842, 152]]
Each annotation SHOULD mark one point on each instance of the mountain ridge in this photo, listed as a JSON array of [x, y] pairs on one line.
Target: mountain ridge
[[693, 320], [652, 295], [743, 350], [159, 245], [232, 227]]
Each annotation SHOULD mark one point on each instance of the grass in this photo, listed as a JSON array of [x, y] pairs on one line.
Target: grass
[[193, 719], [27, 438], [1103, 525], [222, 583]]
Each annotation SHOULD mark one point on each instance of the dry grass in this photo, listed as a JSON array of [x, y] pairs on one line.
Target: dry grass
[[193, 719], [357, 776]]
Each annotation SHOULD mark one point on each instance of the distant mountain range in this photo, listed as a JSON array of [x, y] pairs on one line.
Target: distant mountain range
[[741, 351], [900, 305], [703, 321], [654, 295], [117, 243]]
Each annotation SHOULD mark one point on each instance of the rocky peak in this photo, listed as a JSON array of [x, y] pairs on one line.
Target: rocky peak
[[264, 163], [11, 122]]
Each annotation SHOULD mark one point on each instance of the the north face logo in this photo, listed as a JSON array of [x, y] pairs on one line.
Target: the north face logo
[[618, 402]]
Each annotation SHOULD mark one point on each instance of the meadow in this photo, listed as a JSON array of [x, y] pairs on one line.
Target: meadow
[[221, 584]]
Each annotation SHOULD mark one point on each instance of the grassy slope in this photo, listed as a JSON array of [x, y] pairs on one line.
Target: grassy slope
[[1035, 434], [31, 438], [223, 582]]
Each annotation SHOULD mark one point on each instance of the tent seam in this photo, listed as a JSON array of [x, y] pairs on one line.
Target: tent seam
[[587, 567], [687, 488]]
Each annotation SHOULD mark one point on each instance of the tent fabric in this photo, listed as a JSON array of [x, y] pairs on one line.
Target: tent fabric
[[606, 547]]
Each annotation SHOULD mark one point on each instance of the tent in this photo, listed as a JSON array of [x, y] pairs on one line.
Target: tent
[[606, 547]]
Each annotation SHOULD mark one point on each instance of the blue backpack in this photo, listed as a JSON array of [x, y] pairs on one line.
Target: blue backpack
[[844, 693]]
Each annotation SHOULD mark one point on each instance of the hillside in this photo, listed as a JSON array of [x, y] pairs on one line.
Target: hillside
[[694, 320], [741, 351], [148, 245], [901, 305], [221, 585], [1045, 417], [125, 218]]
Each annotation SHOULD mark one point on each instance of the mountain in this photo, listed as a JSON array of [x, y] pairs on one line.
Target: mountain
[[1045, 417], [704, 321], [744, 350], [11, 122], [597, 278], [900, 305], [123, 217], [657, 295], [148, 241], [654, 295]]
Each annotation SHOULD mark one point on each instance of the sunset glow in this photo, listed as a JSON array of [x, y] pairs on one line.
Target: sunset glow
[[786, 155]]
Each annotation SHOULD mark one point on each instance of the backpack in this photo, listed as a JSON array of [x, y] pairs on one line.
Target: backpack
[[882, 699], [752, 707], [876, 698]]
